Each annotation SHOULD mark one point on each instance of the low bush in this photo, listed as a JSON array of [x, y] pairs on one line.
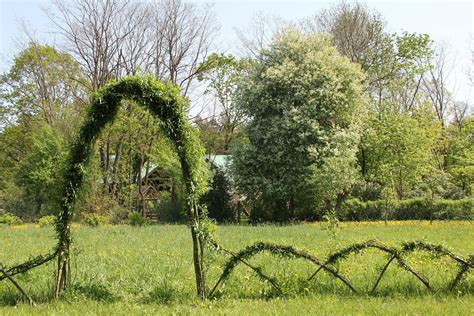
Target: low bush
[[47, 220], [94, 220], [170, 212], [136, 219], [117, 215], [454, 209], [10, 219], [409, 209]]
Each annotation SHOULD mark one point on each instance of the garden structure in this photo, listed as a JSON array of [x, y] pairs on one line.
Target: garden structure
[[164, 101]]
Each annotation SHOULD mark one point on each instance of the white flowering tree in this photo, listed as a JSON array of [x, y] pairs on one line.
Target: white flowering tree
[[305, 106]]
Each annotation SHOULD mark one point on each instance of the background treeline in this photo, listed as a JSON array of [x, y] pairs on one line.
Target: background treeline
[[330, 114]]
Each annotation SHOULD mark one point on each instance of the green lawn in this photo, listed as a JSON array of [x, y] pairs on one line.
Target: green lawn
[[127, 270]]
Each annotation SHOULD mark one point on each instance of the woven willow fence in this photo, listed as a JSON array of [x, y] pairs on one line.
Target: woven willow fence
[[397, 255], [329, 265]]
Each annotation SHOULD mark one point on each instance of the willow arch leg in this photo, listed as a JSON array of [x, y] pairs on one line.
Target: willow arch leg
[[382, 273], [198, 268], [64, 265], [9, 277]]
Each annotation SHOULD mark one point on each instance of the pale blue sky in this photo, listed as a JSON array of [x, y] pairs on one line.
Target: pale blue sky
[[451, 22]]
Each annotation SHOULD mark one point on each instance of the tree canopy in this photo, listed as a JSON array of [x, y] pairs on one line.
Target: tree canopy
[[303, 100]]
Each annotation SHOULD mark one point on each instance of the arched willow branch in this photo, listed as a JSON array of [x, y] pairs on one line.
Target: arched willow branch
[[441, 251], [30, 264], [278, 250], [257, 270], [398, 254], [382, 273], [356, 248], [164, 102]]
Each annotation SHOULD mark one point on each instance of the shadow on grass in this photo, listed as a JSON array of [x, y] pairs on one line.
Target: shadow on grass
[[96, 292], [166, 294], [303, 288], [11, 297]]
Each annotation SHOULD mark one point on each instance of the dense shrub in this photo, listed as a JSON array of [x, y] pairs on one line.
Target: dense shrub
[[47, 220], [136, 219], [218, 198], [94, 220], [410, 209], [98, 204], [10, 219], [416, 208], [170, 211], [367, 191], [117, 215], [454, 209], [355, 209], [261, 211]]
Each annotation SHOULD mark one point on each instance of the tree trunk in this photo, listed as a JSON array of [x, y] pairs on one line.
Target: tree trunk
[[292, 209], [103, 163], [107, 165], [400, 192], [104, 149], [281, 213], [118, 156], [239, 211], [140, 186], [198, 241], [339, 200], [174, 194], [363, 161]]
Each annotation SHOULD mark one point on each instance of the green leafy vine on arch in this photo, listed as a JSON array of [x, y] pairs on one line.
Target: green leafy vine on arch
[[165, 102]]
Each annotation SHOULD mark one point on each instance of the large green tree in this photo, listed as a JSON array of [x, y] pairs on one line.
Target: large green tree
[[222, 75], [303, 99], [398, 152], [41, 171], [41, 102], [460, 157], [393, 63], [43, 84]]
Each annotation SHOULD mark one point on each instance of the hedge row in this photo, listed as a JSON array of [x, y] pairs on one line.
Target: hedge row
[[410, 209]]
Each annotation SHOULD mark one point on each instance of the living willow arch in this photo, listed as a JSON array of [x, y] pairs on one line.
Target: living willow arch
[[164, 101]]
